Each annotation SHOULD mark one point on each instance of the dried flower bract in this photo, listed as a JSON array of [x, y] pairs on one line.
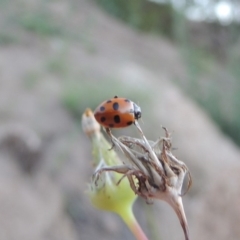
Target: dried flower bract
[[152, 171]]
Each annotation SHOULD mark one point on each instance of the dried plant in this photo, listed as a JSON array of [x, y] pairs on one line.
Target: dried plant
[[152, 171]]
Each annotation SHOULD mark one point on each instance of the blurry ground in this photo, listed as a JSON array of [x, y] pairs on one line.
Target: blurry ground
[[55, 54]]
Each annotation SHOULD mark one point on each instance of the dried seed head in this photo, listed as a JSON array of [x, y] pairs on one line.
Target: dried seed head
[[159, 173]]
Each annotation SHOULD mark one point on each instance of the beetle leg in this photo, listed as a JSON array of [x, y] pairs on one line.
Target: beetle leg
[[108, 131]]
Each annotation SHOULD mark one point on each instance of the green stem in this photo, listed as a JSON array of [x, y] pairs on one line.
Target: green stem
[[130, 220]]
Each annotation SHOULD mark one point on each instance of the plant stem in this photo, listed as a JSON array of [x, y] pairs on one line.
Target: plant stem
[[130, 220]]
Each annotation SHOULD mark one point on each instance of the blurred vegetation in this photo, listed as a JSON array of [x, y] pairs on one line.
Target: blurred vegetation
[[140, 14], [210, 49], [7, 38], [41, 23], [76, 92]]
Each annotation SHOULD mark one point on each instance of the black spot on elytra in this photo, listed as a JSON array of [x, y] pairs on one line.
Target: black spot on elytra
[[127, 100], [115, 106], [111, 125], [109, 101], [117, 119], [115, 96], [103, 119], [102, 108], [130, 123]]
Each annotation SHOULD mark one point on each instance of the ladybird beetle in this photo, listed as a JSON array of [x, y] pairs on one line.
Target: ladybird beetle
[[117, 113]]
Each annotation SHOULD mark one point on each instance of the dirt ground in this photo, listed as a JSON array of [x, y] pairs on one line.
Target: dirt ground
[[45, 159]]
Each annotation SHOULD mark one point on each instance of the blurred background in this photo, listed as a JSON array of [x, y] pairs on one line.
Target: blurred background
[[178, 60]]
